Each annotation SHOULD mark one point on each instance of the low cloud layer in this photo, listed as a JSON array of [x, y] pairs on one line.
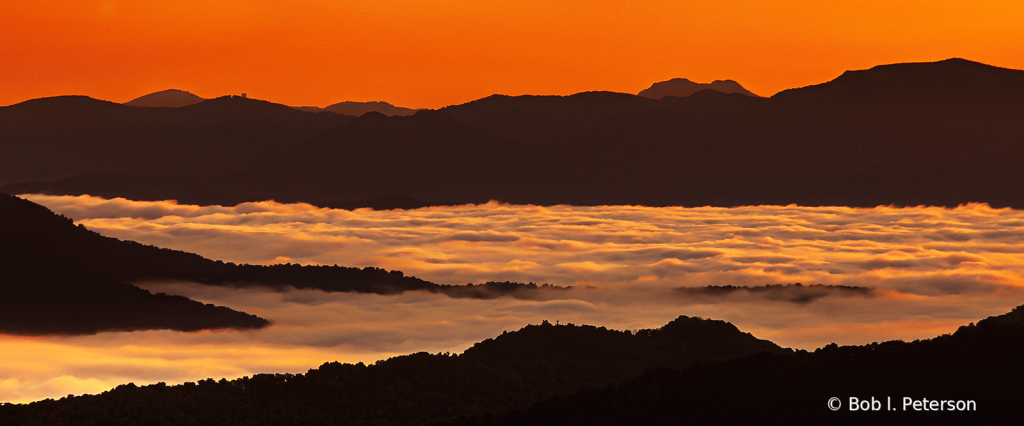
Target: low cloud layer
[[866, 274], [915, 250]]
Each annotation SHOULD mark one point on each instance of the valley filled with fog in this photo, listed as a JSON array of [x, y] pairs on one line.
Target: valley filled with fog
[[867, 274]]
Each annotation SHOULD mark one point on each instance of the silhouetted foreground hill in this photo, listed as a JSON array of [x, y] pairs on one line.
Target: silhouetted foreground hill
[[32, 227], [509, 371], [973, 376], [942, 133], [47, 285], [682, 88], [42, 295]]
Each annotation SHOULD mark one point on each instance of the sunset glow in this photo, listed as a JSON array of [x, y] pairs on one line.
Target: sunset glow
[[701, 212], [428, 53]]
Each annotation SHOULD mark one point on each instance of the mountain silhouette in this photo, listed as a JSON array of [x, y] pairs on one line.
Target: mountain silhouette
[[907, 134], [977, 363], [690, 371], [430, 155], [52, 238], [48, 286], [60, 137], [509, 371], [681, 87], [359, 108], [536, 119], [171, 98]]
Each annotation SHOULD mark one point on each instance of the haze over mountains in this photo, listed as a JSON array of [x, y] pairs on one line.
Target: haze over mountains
[[171, 98], [681, 87], [359, 108], [939, 133]]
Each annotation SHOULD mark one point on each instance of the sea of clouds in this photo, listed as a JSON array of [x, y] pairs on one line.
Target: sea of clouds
[[920, 272]]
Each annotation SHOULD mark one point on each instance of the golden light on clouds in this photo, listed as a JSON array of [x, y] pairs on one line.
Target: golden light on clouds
[[932, 269], [903, 249]]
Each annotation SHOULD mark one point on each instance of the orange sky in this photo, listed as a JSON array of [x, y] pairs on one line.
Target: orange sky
[[431, 53]]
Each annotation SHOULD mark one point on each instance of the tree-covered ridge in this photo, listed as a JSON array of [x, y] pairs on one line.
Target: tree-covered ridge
[[509, 371], [40, 239], [53, 283], [43, 295], [979, 363], [29, 225], [60, 278]]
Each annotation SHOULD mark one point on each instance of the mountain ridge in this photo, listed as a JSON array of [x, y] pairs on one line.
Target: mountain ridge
[[545, 359], [33, 237], [681, 87], [569, 374], [975, 366], [903, 134], [47, 292], [170, 98]]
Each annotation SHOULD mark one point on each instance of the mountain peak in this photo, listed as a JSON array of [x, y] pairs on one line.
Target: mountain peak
[[172, 98], [954, 77], [681, 87]]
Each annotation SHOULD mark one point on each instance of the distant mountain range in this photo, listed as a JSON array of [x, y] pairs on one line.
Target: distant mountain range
[[359, 108], [940, 133], [681, 87], [174, 98], [171, 98], [690, 371]]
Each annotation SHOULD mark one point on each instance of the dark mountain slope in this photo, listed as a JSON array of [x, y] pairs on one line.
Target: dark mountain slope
[[435, 156], [54, 138], [541, 118], [357, 109], [836, 144], [428, 156], [45, 295], [942, 133], [949, 81], [675, 154], [509, 371], [933, 133], [979, 363], [35, 229], [52, 284]]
